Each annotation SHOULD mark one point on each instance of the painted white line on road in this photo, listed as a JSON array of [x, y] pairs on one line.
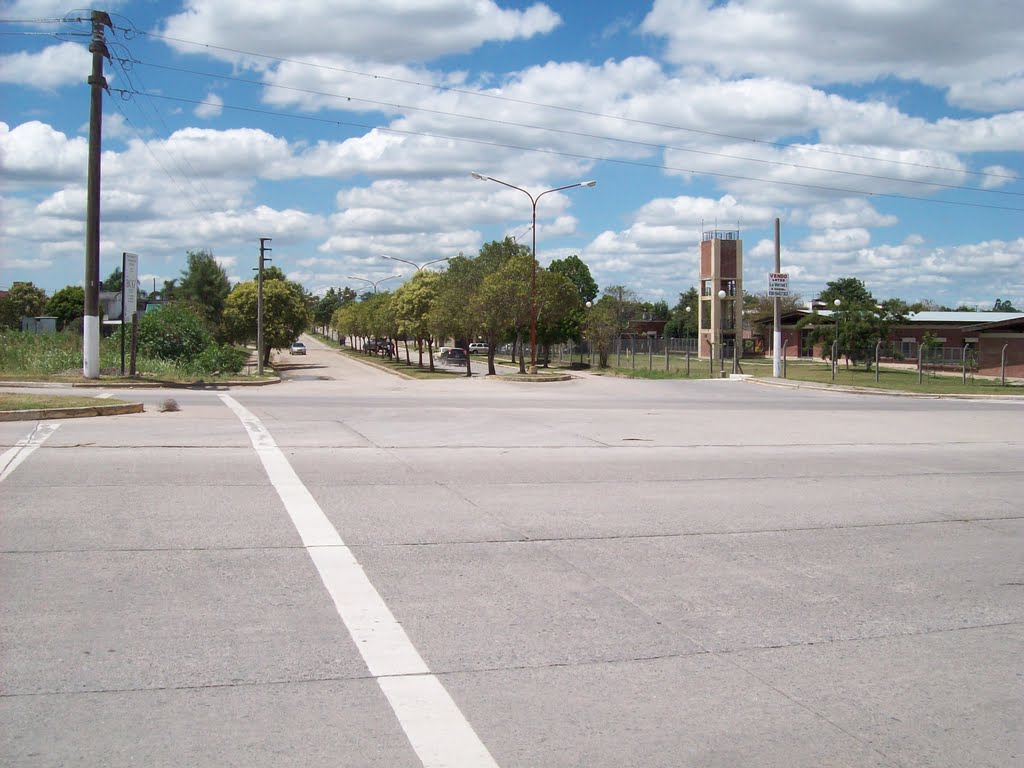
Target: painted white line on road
[[105, 395], [22, 449], [433, 723]]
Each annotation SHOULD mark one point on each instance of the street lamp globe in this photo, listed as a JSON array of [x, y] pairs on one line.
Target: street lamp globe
[[589, 305]]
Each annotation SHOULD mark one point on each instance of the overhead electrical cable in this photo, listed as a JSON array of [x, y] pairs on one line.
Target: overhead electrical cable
[[574, 110], [580, 156], [586, 135]]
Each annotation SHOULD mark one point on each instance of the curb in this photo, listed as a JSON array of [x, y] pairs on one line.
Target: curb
[[525, 377], [137, 384], [785, 384], [72, 413]]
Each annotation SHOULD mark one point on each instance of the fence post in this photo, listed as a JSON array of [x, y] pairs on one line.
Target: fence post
[[835, 346], [711, 359], [666, 354], [632, 350], [785, 360], [878, 347], [920, 368], [1002, 366], [687, 363], [963, 359]]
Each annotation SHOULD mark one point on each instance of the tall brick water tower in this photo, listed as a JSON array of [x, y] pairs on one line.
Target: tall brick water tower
[[721, 270]]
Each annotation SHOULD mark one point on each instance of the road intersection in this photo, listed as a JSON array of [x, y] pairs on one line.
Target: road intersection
[[351, 568]]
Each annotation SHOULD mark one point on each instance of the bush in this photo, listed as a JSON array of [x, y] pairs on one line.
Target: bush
[[216, 358], [173, 332]]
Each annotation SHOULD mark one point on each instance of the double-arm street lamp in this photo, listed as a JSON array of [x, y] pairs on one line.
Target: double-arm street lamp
[[533, 282], [414, 264], [374, 283]]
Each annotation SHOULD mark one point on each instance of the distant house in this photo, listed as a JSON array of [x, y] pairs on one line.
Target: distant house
[[986, 336]]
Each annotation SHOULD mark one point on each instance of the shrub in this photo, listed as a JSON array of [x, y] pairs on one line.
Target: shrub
[[216, 358], [173, 332]]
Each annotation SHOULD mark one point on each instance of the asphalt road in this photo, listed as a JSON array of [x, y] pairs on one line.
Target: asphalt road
[[353, 569]]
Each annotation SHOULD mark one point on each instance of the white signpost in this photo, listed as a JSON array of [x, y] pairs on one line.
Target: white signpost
[[778, 284], [129, 294]]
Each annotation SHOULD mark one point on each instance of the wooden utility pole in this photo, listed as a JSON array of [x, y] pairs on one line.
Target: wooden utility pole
[[91, 320]]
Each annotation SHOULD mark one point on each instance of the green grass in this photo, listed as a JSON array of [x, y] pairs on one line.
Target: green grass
[[58, 357], [896, 379], [33, 402]]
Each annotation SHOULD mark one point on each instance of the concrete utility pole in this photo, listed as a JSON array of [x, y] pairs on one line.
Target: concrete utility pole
[[259, 303], [777, 312], [91, 319]]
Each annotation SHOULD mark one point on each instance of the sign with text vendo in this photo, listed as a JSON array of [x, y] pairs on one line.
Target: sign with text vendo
[[778, 284], [131, 284]]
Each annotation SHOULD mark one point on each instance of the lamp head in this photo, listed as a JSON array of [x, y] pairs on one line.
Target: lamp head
[[479, 176], [837, 302], [589, 305], [721, 294], [591, 183]]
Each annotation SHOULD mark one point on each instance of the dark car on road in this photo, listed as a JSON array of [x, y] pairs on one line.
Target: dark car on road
[[455, 356]]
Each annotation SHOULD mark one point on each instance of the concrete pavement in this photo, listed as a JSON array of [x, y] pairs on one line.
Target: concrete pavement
[[601, 573]]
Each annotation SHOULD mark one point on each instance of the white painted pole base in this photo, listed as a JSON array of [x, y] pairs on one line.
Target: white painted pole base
[[777, 354], [91, 347]]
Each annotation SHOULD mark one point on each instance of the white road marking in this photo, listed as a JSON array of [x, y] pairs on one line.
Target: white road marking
[[105, 395], [22, 449], [433, 723]]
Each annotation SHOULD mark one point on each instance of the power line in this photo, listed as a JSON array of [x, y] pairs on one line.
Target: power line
[[129, 75], [583, 134], [580, 156], [573, 110]]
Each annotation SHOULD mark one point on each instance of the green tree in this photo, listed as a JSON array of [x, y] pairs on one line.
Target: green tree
[[113, 281], [330, 303], [558, 309], [285, 315], [205, 285], [682, 324], [856, 325], [610, 318], [23, 300], [501, 305], [67, 305], [411, 304], [1004, 306], [578, 273]]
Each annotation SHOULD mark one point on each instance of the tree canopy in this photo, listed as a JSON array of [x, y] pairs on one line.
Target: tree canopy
[[285, 315], [205, 285], [67, 305], [23, 300]]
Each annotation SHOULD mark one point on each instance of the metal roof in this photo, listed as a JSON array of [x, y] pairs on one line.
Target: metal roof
[[974, 318]]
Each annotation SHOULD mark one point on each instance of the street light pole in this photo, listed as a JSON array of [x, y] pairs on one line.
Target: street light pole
[[533, 280], [414, 264], [371, 282]]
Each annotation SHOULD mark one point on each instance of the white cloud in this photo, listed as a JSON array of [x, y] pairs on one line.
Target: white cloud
[[212, 106], [388, 30], [932, 41], [48, 69], [35, 151]]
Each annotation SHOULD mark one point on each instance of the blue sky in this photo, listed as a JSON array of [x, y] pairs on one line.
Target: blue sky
[[888, 138]]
